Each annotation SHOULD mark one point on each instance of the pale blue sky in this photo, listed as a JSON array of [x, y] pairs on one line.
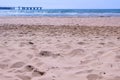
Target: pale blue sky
[[76, 4]]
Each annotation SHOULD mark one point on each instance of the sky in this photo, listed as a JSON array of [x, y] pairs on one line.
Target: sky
[[64, 4]]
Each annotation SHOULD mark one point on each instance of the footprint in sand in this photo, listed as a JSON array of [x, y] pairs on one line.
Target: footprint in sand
[[17, 64], [63, 46], [81, 43], [47, 54], [29, 68], [37, 73], [77, 52], [93, 77], [99, 53], [102, 43], [31, 43]]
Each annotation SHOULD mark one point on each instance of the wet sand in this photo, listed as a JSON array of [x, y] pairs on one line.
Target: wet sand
[[37, 48]]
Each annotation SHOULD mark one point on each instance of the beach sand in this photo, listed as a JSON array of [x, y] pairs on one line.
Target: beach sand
[[50, 48]]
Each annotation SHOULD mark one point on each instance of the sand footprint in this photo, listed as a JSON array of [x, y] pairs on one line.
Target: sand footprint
[[63, 46], [81, 43], [47, 54], [102, 43], [17, 64], [37, 73], [77, 52], [99, 53], [29, 68]]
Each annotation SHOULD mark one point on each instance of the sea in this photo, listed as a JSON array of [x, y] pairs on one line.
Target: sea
[[63, 12]]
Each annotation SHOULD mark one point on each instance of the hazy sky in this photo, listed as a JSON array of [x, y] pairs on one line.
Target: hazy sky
[[77, 4]]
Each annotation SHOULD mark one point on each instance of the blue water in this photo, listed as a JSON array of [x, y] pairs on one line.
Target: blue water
[[63, 12]]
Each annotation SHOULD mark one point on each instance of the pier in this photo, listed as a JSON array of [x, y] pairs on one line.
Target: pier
[[20, 8], [29, 8]]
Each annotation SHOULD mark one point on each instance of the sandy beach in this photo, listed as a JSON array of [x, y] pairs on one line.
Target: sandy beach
[[59, 48]]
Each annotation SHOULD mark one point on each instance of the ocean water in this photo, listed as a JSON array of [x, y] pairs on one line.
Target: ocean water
[[63, 12]]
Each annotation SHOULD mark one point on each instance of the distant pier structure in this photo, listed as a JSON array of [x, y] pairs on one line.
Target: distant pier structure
[[20, 8], [28, 8]]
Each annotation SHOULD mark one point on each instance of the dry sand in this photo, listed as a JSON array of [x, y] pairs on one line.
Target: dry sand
[[85, 21], [44, 48]]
